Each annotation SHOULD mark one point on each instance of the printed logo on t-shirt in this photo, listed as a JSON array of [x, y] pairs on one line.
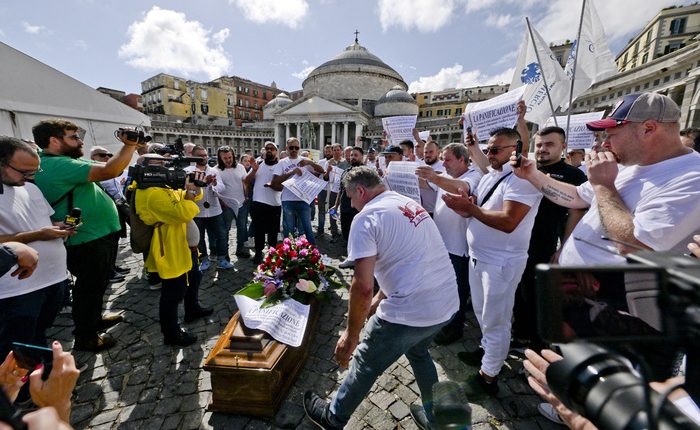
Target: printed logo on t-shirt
[[414, 212]]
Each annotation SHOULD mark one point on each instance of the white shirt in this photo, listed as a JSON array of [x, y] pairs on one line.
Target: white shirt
[[287, 165], [452, 226], [428, 196], [26, 209], [231, 182], [210, 194], [114, 186], [495, 246], [261, 193], [412, 265], [665, 201]]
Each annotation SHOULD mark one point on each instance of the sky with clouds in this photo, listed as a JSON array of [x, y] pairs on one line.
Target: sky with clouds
[[433, 44]]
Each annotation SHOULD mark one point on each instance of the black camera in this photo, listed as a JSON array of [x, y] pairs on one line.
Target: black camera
[[170, 174], [136, 135]]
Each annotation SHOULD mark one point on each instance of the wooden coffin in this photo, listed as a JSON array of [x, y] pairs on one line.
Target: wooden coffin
[[251, 372]]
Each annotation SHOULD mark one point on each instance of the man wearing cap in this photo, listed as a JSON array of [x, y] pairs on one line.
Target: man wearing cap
[[652, 202]]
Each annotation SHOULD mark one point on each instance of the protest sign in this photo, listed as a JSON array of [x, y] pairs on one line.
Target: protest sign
[[306, 187], [424, 135], [285, 321], [580, 137], [401, 177], [489, 115], [399, 128]]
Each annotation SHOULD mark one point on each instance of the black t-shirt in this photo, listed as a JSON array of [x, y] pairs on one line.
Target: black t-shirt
[[345, 203], [551, 218]]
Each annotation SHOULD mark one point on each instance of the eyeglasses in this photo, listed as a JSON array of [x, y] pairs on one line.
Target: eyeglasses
[[496, 149], [24, 173], [106, 154], [293, 148], [271, 148], [75, 136]]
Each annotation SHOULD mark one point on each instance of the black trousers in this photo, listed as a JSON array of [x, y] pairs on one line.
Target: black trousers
[[173, 291], [346, 221], [266, 222], [460, 263], [91, 264]]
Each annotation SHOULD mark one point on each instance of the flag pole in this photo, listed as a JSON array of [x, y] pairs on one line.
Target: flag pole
[[573, 74], [539, 62]]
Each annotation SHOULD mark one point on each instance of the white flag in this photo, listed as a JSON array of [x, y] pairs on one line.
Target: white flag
[[528, 71], [595, 61]]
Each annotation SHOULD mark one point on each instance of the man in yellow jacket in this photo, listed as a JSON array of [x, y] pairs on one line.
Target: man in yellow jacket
[[172, 212]]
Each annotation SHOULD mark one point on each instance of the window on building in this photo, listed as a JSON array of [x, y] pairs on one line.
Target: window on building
[[673, 46], [203, 94], [240, 89], [429, 113], [646, 85], [636, 48], [678, 25], [448, 112], [247, 103], [645, 58], [204, 108], [677, 75], [624, 59], [637, 88], [628, 91], [255, 115], [176, 84], [264, 94], [246, 90], [649, 37], [439, 112], [666, 79], [458, 111], [255, 93], [656, 82], [255, 105], [595, 100], [619, 93], [240, 102]]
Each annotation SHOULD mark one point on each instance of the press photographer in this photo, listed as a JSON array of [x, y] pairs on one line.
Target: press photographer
[[170, 208], [68, 181]]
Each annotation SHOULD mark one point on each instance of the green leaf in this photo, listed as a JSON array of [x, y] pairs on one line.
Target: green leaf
[[272, 299], [254, 290]]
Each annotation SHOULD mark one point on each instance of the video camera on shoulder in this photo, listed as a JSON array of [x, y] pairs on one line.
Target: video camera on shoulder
[[167, 171]]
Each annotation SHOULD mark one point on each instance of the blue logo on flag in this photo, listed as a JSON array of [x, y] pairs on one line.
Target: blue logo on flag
[[530, 74]]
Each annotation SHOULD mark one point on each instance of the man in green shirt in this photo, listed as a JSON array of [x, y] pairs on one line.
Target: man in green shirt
[[67, 182]]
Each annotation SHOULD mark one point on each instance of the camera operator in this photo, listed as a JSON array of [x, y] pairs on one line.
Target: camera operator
[[172, 255], [68, 182]]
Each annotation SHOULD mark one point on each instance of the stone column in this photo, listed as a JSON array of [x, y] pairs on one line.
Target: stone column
[[321, 137], [333, 137], [286, 136], [277, 134], [345, 133], [358, 131]]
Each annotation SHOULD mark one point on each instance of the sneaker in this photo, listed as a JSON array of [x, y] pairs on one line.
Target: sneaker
[[472, 358], [419, 417], [98, 343], [110, 321], [155, 287], [346, 264], [204, 265], [448, 335], [548, 411], [223, 264], [243, 253], [476, 387], [317, 410], [183, 338], [199, 313]]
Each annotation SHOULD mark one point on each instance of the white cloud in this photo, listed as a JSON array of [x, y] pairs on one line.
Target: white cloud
[[620, 18], [32, 29], [424, 15], [287, 12], [304, 62], [477, 5], [304, 73], [81, 44], [2, 33], [499, 21], [456, 77], [165, 40]]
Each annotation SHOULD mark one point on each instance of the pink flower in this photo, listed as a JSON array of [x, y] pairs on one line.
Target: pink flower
[[286, 241], [270, 288], [285, 247], [304, 252], [306, 286]]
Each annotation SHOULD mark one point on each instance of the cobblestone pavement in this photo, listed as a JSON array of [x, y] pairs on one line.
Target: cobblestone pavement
[[143, 384]]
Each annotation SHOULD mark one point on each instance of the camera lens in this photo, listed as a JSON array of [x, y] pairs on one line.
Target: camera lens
[[206, 205]]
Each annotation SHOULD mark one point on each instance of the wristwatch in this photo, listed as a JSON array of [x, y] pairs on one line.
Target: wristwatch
[[193, 192]]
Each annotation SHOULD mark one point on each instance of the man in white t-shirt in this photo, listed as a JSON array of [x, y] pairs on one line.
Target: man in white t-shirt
[[232, 193], [453, 227], [502, 211], [334, 166], [210, 217], [28, 306], [266, 210], [393, 239], [428, 191], [296, 213]]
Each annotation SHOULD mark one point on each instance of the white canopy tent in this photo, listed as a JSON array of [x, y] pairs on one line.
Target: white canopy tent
[[31, 91]]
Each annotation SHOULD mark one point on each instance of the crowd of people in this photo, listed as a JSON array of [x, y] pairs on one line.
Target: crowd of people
[[485, 219]]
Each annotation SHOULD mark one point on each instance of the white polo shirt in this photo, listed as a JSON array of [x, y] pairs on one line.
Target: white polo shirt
[[412, 265], [287, 165], [494, 246], [261, 193], [452, 226]]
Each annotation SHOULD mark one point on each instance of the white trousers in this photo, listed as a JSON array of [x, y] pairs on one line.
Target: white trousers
[[493, 294]]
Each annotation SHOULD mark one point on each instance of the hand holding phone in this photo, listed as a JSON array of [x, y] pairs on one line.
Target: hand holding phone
[[518, 153], [30, 356]]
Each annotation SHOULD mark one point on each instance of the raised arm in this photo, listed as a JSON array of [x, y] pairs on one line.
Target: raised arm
[[116, 165], [558, 192]]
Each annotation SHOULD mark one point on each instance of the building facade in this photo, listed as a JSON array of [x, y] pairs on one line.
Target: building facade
[[671, 29], [450, 103]]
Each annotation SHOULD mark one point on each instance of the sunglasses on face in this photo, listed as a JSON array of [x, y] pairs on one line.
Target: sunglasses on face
[[496, 149], [294, 148], [105, 155]]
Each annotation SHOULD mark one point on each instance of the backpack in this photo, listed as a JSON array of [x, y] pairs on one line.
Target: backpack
[[141, 233]]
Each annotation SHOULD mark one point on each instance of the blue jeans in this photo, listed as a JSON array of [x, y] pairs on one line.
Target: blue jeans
[[297, 215], [218, 236], [383, 344], [241, 224], [25, 318]]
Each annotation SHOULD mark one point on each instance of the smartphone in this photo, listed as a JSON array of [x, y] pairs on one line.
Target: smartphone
[[518, 152], [30, 356], [469, 135]]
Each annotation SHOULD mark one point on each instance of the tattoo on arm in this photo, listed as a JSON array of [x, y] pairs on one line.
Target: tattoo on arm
[[556, 195]]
